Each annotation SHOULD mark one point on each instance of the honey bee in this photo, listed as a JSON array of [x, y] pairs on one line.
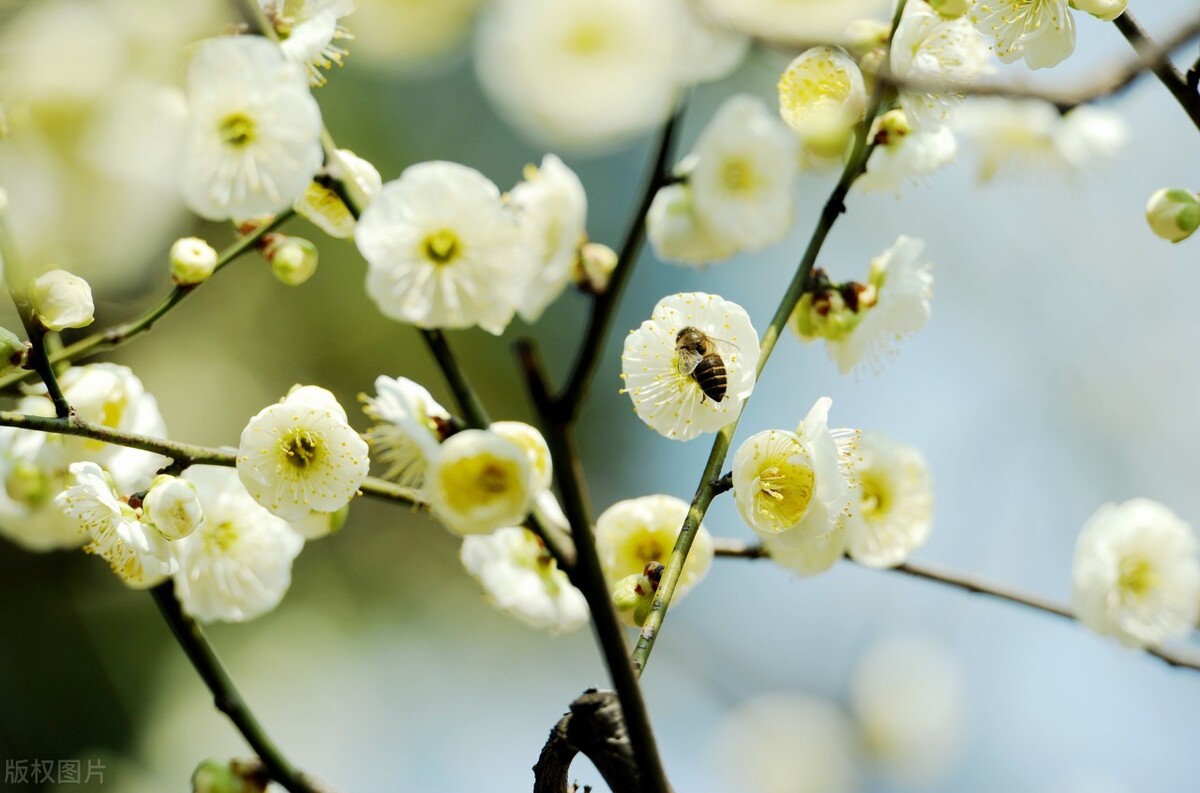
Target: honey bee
[[698, 356]]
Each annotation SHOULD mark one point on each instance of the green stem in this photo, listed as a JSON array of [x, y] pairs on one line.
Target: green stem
[[119, 334], [710, 479], [965, 582], [589, 576], [1160, 63], [570, 401], [225, 694]]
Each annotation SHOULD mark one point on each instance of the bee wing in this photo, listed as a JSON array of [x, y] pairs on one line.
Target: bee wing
[[686, 361], [723, 347]]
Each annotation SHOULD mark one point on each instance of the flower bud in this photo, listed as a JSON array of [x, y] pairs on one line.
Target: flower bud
[[13, 351], [172, 507], [1173, 213], [293, 259], [1104, 10], [236, 776], [192, 261], [633, 596], [61, 300], [891, 128], [594, 266], [952, 9], [316, 525]]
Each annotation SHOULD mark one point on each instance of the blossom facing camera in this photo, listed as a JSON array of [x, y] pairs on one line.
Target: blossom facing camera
[[61, 300], [821, 97], [172, 507], [299, 455], [192, 261], [1136, 576], [1173, 213], [689, 368], [254, 134], [479, 482], [892, 511]]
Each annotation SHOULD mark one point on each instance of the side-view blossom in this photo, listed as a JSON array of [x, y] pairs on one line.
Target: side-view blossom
[[238, 565], [309, 29], [409, 425], [821, 97], [479, 482], [1042, 32], [903, 154], [892, 507], [136, 552], [254, 132], [551, 209], [691, 365], [299, 455], [864, 321], [172, 507], [324, 208], [1136, 575], [741, 173], [678, 233], [521, 578], [61, 300], [443, 251], [633, 533]]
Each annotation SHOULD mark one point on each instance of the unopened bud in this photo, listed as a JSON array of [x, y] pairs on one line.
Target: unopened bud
[[316, 525], [293, 259], [13, 351], [633, 596], [61, 300], [192, 261], [236, 776], [172, 507], [594, 267], [951, 9], [1105, 10], [1173, 213], [891, 128]]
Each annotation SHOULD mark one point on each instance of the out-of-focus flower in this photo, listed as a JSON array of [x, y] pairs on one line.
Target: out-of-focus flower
[[171, 507], [316, 525], [1173, 214], [691, 365], [521, 578], [633, 533], [951, 9], [324, 207], [679, 234], [409, 425], [1104, 10], [929, 48], [1033, 134], [864, 321], [293, 260], [741, 174], [309, 29], [1136, 574], [137, 553], [822, 97], [238, 565], [192, 261], [704, 49], [581, 72], [443, 251], [61, 300], [479, 482], [253, 141], [907, 157], [551, 209], [804, 21], [410, 34], [594, 267], [14, 352], [786, 742], [1042, 31], [299, 455], [907, 696], [892, 510]]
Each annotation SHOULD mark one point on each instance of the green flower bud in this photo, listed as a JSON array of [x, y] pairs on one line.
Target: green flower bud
[[633, 596], [192, 261], [13, 351], [1173, 213], [236, 776], [891, 128], [293, 259]]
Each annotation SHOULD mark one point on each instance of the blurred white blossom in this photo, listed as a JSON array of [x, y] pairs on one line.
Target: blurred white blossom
[[677, 231], [309, 29], [891, 513], [804, 21]]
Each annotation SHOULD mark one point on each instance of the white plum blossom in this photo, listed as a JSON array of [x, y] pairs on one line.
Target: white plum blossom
[[139, 555], [929, 48], [1040, 31], [705, 49], [581, 72], [551, 209], [1136, 575], [661, 378], [172, 507], [809, 557], [521, 578], [821, 97], [61, 300], [238, 565], [33, 473], [479, 482], [633, 533], [299, 455], [309, 29], [803, 21], [443, 251], [908, 158], [522, 435], [892, 510], [741, 173], [412, 34], [409, 425], [679, 234], [254, 134], [324, 208]]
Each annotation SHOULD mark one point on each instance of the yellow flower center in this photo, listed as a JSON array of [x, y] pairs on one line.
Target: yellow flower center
[[237, 130], [784, 492], [813, 85], [441, 247], [301, 449], [738, 175], [1136, 576], [876, 497], [479, 481], [220, 538], [588, 38]]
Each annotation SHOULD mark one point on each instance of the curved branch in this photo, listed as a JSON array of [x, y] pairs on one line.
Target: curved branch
[[595, 728]]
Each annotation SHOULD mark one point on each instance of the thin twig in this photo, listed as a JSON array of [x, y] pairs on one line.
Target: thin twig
[[965, 582], [589, 576], [1159, 62], [855, 166]]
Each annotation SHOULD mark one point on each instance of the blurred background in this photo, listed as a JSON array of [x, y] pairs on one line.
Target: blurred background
[[1058, 373]]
